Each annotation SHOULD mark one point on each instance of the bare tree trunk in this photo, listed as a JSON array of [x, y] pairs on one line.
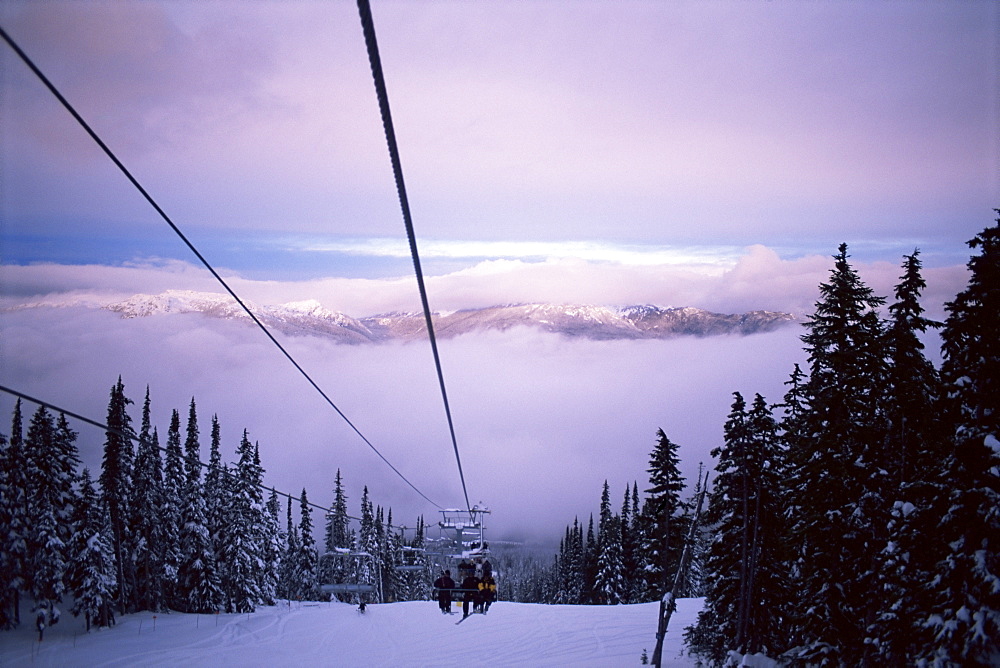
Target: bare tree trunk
[[667, 602]]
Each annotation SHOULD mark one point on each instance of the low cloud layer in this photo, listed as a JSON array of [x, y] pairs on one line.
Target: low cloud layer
[[758, 280], [541, 421]]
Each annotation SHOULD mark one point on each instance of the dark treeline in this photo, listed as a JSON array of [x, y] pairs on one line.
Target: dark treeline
[[160, 531], [857, 521]]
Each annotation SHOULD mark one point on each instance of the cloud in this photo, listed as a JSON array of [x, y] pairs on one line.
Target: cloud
[[541, 421], [756, 279]]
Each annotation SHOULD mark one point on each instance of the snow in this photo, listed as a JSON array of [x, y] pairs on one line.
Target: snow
[[395, 634]]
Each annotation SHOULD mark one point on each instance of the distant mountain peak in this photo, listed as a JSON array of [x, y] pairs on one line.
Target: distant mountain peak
[[310, 317]]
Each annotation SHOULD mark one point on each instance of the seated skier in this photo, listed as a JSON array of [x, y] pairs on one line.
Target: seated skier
[[444, 585]]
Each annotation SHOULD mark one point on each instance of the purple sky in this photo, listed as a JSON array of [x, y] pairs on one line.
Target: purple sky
[[686, 153]]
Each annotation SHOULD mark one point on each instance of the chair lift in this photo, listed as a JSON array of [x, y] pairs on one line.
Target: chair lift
[[411, 559], [357, 588]]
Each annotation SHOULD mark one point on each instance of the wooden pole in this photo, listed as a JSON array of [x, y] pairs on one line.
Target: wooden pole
[[667, 603]]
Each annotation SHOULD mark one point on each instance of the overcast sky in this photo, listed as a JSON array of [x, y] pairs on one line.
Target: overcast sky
[[710, 154]]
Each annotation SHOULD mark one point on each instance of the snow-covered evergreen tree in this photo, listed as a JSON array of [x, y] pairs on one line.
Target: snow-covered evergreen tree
[[336, 534], [242, 550], [367, 543], [220, 505], [115, 480], [171, 514], [744, 577], [197, 578], [631, 551], [13, 520], [307, 568], [146, 523], [963, 618], [91, 558], [917, 446], [664, 532], [51, 461], [588, 595], [838, 475], [289, 585], [271, 542], [609, 583]]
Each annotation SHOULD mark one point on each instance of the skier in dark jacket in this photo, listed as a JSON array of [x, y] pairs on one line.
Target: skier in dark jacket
[[471, 586], [444, 585]]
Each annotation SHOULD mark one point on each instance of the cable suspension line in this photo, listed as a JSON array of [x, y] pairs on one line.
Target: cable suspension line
[[368, 25], [104, 147]]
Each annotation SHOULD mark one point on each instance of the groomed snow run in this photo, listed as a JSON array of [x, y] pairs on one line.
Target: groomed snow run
[[336, 634]]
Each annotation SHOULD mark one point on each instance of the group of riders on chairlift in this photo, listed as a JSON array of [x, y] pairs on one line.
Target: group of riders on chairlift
[[478, 587]]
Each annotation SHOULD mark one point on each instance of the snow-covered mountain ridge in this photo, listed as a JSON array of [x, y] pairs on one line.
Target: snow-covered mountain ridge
[[573, 320]]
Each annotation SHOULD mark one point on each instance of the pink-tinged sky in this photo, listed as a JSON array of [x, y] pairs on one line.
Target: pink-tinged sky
[[710, 154]]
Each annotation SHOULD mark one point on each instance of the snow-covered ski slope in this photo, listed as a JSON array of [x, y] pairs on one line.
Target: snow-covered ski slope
[[336, 634]]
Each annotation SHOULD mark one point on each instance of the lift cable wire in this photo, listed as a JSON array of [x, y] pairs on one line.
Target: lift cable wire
[[79, 119], [368, 25], [133, 437]]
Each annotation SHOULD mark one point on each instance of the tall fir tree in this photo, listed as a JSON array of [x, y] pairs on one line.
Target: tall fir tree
[[51, 460], [13, 521], [146, 523], [197, 577], [588, 595], [289, 583], [115, 480], [838, 474], [917, 445], [174, 484], [367, 543], [609, 582], [745, 580], [664, 532], [242, 550], [220, 501], [307, 568], [271, 541], [337, 534], [91, 558], [630, 549], [963, 615]]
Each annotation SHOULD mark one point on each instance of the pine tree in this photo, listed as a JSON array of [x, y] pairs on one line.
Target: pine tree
[[609, 583], [963, 615], [271, 540], [744, 569], [916, 443], [367, 543], [664, 533], [638, 584], [337, 534], [91, 563], [220, 502], [289, 581], [242, 550], [307, 570], [116, 476], [51, 460], [146, 523], [198, 577], [838, 471], [13, 521], [171, 515], [589, 594]]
